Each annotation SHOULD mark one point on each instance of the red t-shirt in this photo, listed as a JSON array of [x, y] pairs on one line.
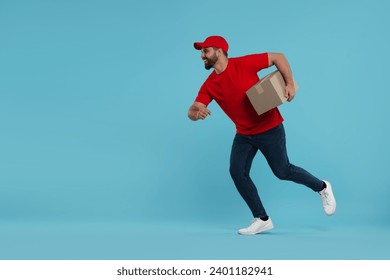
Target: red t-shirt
[[229, 88]]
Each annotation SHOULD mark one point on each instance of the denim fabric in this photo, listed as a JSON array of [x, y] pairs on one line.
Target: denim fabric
[[272, 145]]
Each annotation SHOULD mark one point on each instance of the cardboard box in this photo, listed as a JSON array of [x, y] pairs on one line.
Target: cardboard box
[[268, 93]]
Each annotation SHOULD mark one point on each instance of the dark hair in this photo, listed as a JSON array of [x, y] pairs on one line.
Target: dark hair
[[225, 53]]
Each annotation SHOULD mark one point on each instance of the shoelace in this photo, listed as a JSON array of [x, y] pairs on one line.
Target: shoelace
[[324, 194]]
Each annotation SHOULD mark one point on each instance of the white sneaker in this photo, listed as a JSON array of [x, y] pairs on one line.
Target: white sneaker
[[328, 200], [257, 226]]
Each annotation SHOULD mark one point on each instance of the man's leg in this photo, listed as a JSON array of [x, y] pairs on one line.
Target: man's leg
[[273, 146], [241, 159]]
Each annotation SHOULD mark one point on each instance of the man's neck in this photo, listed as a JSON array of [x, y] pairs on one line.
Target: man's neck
[[221, 65]]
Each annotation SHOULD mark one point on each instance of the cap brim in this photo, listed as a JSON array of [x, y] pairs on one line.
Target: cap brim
[[199, 45]]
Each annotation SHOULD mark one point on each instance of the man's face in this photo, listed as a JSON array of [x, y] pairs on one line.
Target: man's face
[[209, 56]]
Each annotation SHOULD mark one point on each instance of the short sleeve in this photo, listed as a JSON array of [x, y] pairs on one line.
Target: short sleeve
[[203, 96], [255, 62]]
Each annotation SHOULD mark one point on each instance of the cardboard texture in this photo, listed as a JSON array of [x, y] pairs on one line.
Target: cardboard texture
[[268, 93]]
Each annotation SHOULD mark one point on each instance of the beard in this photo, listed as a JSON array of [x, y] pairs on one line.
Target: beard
[[210, 62]]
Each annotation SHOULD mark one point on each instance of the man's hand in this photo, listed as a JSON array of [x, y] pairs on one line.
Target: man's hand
[[203, 113], [198, 111], [290, 92]]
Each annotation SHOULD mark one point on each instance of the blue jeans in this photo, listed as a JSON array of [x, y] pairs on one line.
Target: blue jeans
[[272, 144]]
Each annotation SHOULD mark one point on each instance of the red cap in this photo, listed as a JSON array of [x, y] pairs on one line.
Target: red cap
[[213, 41]]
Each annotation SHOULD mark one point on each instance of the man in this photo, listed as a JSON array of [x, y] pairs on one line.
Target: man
[[227, 85]]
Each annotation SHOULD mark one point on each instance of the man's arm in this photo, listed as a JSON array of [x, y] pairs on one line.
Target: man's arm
[[281, 63], [198, 111]]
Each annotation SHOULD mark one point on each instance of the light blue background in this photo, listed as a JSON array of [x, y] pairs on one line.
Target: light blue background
[[98, 159]]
